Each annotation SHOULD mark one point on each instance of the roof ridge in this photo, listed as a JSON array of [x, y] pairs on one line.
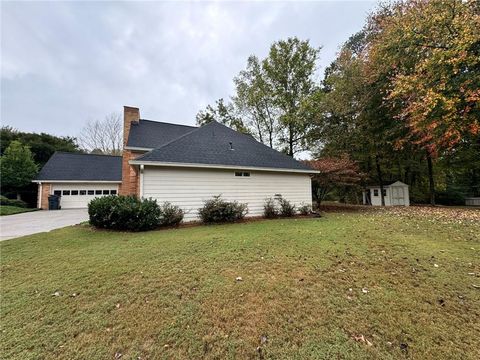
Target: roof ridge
[[174, 140], [76, 153], [164, 122]]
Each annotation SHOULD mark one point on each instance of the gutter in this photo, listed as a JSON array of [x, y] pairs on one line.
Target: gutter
[[77, 181], [214, 166]]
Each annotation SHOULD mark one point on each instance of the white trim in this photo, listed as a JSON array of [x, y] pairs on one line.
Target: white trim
[[77, 181], [214, 166], [137, 148], [141, 181], [39, 200]]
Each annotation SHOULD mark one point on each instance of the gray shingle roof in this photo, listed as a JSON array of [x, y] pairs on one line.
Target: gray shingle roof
[[82, 167], [210, 144], [152, 134]]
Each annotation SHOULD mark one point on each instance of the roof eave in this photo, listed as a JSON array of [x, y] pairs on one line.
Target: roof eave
[[219, 166], [77, 181]]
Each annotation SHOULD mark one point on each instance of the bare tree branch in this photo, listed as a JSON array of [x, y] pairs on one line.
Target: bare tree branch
[[103, 136]]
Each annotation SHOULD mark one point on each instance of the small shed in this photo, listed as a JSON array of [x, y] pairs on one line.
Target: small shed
[[395, 194]]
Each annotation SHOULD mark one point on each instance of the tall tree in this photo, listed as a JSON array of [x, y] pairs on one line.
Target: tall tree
[[103, 136], [41, 145], [430, 53], [254, 101], [17, 167], [222, 113], [290, 67]]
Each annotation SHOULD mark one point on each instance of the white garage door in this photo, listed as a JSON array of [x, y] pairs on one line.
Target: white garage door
[[77, 196]]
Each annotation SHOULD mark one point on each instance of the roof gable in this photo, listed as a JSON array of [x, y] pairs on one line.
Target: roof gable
[[150, 134], [81, 167], [216, 144]]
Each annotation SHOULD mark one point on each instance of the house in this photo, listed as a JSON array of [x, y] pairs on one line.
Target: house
[[395, 194], [184, 165]]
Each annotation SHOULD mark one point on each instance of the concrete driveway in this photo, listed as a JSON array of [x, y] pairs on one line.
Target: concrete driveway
[[13, 226]]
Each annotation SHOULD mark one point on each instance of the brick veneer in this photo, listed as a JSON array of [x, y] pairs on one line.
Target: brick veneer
[[130, 176], [45, 193]]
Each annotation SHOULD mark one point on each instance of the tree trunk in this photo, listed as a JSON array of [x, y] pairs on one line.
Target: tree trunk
[[380, 179], [290, 140], [430, 179]]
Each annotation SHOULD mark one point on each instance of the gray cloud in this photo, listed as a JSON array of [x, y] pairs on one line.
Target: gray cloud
[[64, 63]]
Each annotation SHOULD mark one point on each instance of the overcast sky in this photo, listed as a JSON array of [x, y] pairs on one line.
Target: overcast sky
[[64, 63]]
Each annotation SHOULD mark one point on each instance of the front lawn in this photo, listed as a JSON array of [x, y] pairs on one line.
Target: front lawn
[[373, 285], [11, 210]]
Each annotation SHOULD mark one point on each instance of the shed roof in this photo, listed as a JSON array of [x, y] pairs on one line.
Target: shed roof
[[395, 183]]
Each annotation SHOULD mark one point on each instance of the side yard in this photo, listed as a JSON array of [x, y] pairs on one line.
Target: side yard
[[350, 285], [11, 210]]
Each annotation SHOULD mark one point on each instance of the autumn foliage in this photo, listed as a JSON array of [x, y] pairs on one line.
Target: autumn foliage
[[333, 172], [430, 52]]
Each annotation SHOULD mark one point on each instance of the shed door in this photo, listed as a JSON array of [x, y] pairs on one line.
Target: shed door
[[398, 196]]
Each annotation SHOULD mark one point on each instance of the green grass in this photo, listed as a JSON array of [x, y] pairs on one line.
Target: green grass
[[11, 210], [173, 294]]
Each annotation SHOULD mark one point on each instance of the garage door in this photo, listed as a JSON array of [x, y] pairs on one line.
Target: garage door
[[77, 196]]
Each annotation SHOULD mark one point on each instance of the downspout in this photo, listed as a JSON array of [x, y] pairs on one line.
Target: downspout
[[39, 199], [141, 181]]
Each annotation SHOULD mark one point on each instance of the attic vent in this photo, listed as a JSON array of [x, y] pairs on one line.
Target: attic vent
[[231, 146]]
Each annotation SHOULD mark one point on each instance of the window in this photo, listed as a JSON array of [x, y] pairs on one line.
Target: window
[[57, 192], [98, 192], [83, 192], [91, 192], [106, 192], [375, 192], [384, 192], [66, 192], [240, 173], [74, 192], [113, 192], [246, 174]]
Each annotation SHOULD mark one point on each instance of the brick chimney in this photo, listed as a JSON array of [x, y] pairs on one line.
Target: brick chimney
[[130, 115], [130, 176]]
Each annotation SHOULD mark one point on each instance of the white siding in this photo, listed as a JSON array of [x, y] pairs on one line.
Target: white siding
[[189, 188]]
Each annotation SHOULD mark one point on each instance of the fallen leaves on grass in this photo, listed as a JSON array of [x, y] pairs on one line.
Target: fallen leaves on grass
[[362, 339]]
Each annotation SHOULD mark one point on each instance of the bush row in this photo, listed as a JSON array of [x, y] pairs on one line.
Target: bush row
[[279, 206], [133, 214], [12, 202]]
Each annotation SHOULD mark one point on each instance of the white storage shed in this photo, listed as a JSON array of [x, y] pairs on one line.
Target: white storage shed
[[395, 194]]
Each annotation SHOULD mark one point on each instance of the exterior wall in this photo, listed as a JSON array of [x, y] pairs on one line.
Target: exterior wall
[[44, 190], [130, 176], [377, 200], [189, 188]]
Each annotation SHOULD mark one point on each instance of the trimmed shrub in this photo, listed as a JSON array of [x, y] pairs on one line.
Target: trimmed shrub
[[304, 209], [286, 207], [124, 213], [269, 209], [217, 210], [12, 202], [170, 215]]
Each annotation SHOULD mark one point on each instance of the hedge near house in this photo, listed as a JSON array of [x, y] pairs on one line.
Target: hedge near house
[[217, 210], [124, 213]]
